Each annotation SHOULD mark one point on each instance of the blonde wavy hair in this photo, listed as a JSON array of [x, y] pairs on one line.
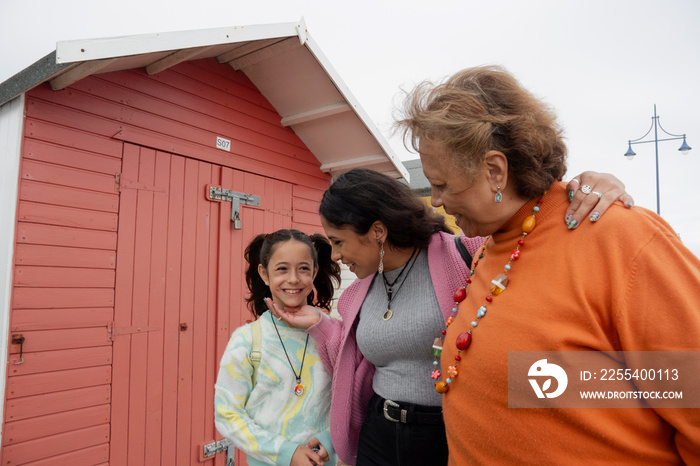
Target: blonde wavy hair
[[485, 108]]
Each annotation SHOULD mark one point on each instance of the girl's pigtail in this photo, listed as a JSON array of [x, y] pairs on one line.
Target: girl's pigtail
[[257, 287], [328, 276]]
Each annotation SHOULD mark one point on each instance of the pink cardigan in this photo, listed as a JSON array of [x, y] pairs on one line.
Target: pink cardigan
[[337, 345]]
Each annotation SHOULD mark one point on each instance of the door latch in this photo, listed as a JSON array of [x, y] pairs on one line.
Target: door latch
[[18, 339], [216, 193], [211, 449]]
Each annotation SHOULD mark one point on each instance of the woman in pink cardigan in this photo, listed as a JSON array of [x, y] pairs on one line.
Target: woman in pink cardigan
[[385, 409]]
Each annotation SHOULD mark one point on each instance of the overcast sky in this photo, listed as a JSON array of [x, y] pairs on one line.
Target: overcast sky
[[602, 65]]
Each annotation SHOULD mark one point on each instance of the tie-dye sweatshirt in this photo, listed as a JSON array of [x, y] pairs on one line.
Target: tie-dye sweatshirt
[[268, 422]]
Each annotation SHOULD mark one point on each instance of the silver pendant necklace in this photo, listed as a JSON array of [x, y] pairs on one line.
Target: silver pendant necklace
[[389, 287]]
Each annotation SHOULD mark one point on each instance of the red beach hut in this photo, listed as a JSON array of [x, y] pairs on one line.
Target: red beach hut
[[135, 171]]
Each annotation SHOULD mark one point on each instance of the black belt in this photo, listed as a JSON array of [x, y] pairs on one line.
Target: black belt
[[408, 413]]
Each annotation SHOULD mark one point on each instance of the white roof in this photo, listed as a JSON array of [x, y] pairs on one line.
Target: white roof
[[282, 60]]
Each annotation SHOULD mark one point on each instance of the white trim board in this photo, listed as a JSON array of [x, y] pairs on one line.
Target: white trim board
[[11, 126]]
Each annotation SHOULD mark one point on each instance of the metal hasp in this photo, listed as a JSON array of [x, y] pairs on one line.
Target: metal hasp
[[211, 449], [216, 193]]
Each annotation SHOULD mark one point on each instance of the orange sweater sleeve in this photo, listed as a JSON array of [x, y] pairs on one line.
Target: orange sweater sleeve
[[663, 314]]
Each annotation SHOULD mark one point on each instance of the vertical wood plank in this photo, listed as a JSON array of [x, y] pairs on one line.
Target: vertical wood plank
[[283, 198], [201, 299], [224, 330], [211, 361], [171, 324], [140, 310], [187, 290], [156, 312], [240, 240], [223, 287], [122, 310]]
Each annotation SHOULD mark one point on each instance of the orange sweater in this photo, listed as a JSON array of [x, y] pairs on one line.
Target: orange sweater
[[625, 283]]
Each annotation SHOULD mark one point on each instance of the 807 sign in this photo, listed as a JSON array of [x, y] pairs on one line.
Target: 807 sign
[[223, 144]]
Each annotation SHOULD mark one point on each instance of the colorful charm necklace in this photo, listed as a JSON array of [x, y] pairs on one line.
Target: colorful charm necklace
[[498, 285], [298, 388]]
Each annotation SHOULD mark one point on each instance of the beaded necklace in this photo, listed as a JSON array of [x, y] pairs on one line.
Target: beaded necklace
[[498, 285]]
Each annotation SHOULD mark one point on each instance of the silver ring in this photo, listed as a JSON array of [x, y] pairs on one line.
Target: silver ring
[[585, 189], [597, 194], [576, 180]]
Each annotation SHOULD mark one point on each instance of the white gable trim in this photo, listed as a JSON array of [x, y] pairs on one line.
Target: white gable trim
[[111, 47], [11, 127]]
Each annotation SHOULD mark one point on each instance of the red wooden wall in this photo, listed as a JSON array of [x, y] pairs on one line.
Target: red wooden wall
[[126, 288]]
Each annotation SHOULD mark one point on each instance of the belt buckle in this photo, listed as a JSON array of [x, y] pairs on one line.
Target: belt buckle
[[393, 404]]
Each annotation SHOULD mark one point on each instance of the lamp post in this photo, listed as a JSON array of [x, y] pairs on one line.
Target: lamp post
[[655, 124]]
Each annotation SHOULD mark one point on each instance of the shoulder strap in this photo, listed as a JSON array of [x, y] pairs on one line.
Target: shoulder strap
[[255, 354], [463, 252]]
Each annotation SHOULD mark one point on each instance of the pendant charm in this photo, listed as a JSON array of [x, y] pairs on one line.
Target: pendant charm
[[298, 389], [437, 347], [387, 314], [499, 284]]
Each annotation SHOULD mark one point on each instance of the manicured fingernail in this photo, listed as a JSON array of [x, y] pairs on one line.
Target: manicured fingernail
[[568, 218], [594, 216], [572, 224], [630, 204], [571, 195]]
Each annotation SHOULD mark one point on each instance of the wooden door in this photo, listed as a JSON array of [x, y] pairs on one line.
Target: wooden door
[[179, 295]]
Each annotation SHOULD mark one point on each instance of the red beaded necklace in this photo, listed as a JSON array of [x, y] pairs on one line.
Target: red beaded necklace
[[498, 284]]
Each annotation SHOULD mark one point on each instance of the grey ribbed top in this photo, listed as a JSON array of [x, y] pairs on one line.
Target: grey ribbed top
[[400, 347]]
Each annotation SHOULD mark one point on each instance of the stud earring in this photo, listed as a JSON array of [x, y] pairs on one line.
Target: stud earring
[[499, 196], [381, 257]]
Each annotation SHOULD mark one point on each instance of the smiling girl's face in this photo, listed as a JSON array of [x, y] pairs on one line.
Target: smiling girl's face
[[290, 273]]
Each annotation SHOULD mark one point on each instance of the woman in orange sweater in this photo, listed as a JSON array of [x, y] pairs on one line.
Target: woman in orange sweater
[[494, 156]]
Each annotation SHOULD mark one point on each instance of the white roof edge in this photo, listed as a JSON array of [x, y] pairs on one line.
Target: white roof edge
[[110, 47], [366, 120], [86, 50]]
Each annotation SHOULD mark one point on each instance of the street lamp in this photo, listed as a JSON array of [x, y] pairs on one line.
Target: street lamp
[[654, 124]]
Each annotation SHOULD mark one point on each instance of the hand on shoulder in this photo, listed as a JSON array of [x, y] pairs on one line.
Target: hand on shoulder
[[590, 194]]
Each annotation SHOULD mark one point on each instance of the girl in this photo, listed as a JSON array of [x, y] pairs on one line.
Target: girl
[[278, 413]]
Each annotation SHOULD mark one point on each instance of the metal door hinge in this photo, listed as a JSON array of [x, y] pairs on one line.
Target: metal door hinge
[[122, 183], [113, 330], [216, 193]]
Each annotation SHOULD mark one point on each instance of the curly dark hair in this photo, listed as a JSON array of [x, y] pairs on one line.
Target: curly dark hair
[[260, 250], [485, 108], [360, 197]]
